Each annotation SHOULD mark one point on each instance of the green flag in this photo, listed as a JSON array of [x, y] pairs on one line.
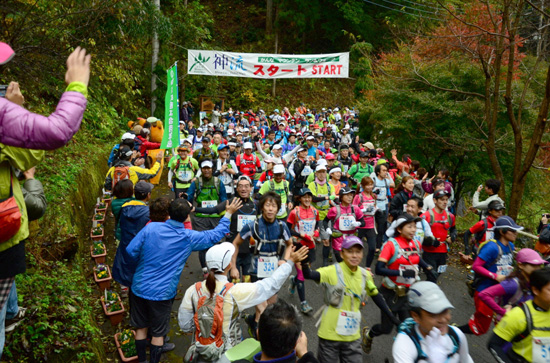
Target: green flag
[[171, 136]]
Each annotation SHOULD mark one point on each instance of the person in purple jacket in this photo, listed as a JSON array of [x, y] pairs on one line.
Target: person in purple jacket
[[22, 128], [515, 289]]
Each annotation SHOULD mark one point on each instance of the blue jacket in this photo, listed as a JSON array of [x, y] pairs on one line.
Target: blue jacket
[[134, 216], [160, 251]]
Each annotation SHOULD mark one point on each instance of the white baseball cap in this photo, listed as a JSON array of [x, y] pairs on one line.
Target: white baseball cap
[[247, 145], [278, 169], [206, 164], [277, 146], [320, 167], [127, 136], [230, 131], [310, 138], [219, 256], [428, 296]]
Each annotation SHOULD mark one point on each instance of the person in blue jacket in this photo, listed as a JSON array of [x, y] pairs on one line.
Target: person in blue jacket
[[159, 252], [134, 215]]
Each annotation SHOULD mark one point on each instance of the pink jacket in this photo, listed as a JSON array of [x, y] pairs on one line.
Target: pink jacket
[[22, 128]]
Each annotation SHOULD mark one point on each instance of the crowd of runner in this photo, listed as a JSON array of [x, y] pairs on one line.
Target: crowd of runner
[[268, 191], [257, 195]]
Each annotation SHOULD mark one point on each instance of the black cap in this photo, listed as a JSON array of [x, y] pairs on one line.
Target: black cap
[[205, 139], [346, 190], [496, 205], [440, 194], [304, 191], [364, 155]]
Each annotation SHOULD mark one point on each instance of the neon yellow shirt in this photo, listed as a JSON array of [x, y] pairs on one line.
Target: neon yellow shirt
[[514, 323], [353, 281]]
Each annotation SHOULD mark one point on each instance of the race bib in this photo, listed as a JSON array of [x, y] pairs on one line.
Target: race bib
[[267, 266], [306, 170], [323, 203], [407, 280], [346, 223], [405, 208], [505, 270], [281, 211], [209, 203], [243, 220], [185, 175], [489, 235], [307, 227], [541, 350], [348, 323], [441, 269]]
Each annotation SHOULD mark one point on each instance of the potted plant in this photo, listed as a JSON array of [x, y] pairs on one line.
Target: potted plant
[[102, 275], [99, 217], [98, 251], [106, 197], [113, 307], [126, 345], [101, 207], [97, 232]]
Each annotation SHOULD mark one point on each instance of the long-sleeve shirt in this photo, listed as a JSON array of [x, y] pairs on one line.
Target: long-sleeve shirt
[[240, 297], [160, 251], [482, 206]]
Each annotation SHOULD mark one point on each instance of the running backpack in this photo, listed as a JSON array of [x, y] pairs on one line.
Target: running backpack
[[210, 340], [407, 328], [120, 173]]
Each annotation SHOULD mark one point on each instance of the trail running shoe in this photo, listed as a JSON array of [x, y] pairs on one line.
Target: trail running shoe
[[168, 347], [366, 342], [292, 286], [306, 308]]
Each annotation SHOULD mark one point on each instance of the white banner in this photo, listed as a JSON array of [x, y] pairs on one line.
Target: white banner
[[267, 66]]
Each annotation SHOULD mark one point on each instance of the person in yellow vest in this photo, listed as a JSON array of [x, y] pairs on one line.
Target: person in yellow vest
[[281, 187], [526, 326], [182, 170], [124, 169]]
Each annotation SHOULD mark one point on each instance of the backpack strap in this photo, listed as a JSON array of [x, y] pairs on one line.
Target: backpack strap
[[456, 341], [338, 213], [226, 288], [529, 324]]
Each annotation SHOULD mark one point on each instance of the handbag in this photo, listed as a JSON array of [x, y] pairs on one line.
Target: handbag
[[10, 215]]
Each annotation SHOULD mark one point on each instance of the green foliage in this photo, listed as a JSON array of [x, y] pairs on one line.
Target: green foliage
[[59, 316]]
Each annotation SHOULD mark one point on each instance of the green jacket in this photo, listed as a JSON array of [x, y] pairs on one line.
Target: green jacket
[[22, 159]]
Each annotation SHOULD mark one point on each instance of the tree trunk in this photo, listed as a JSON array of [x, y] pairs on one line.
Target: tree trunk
[[154, 61], [274, 89], [269, 17]]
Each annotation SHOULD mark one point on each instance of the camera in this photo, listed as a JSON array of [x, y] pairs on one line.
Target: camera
[[376, 191], [3, 89]]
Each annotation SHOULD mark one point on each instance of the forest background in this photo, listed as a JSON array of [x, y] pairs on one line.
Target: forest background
[[456, 84]]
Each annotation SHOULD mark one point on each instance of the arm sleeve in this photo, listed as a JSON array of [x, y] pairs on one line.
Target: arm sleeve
[[259, 148], [191, 192], [481, 270], [403, 349], [479, 205], [288, 157], [22, 128], [185, 311], [428, 188], [488, 297], [310, 274], [134, 247], [382, 270], [206, 239], [292, 231], [223, 193], [383, 306]]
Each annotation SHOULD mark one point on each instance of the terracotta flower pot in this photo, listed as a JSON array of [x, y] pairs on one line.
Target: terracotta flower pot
[[107, 201], [104, 283], [101, 220], [98, 258], [97, 237], [121, 353], [116, 316], [99, 209]]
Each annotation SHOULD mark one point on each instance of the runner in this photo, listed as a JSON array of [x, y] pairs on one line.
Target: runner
[[399, 263], [527, 326], [248, 163], [303, 223], [236, 298], [441, 223], [382, 185], [493, 263], [483, 230], [515, 289], [366, 201], [207, 190], [181, 171], [346, 286], [225, 169], [281, 187], [358, 171], [269, 237], [345, 218], [427, 336], [123, 169], [335, 173]]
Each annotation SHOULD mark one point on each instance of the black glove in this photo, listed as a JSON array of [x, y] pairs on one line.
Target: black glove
[[436, 243], [428, 241], [256, 138], [408, 273], [395, 321]]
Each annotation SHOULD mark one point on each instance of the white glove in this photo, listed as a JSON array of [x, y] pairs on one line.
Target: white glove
[[259, 184], [437, 346], [364, 210], [356, 224], [328, 231]]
